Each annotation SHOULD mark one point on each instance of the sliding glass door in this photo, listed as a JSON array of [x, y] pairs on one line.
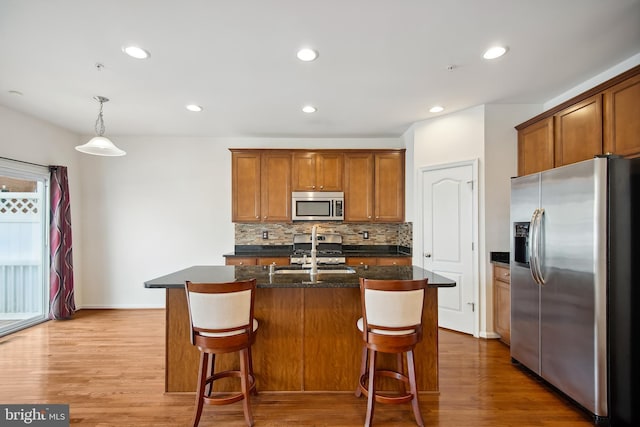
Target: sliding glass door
[[24, 252]]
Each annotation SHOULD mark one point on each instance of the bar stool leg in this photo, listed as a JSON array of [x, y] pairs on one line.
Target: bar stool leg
[[414, 388], [208, 389], [244, 383], [363, 369], [202, 378], [371, 399]]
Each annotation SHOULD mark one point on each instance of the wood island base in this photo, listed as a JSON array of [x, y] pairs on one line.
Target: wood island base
[[307, 340]]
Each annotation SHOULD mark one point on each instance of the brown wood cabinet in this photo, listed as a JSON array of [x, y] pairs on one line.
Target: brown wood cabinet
[[622, 118], [256, 260], [245, 187], [317, 171], [374, 186], [401, 260], [578, 131], [372, 181], [604, 119], [358, 187], [535, 147], [502, 302], [261, 186], [389, 187]]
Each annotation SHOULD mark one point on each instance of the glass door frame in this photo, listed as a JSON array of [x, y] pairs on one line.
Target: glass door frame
[[40, 174]]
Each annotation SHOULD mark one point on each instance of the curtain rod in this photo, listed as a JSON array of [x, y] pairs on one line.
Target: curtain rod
[[28, 163]]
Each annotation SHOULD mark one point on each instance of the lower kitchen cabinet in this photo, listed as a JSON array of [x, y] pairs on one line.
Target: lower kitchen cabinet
[[379, 261], [502, 302], [257, 260]]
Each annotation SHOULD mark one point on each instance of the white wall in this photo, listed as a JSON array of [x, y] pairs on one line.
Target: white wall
[[594, 81], [485, 133], [25, 138], [164, 206], [500, 154]]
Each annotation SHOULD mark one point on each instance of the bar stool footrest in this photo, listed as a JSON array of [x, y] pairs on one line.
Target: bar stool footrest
[[382, 397], [231, 397]]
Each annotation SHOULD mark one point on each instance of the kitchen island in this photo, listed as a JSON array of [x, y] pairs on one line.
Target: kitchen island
[[307, 339]]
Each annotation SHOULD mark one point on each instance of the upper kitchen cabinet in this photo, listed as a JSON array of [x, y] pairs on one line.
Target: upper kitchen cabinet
[[535, 147], [374, 186], [389, 187], [578, 131], [261, 186], [604, 119], [358, 187], [245, 186], [622, 118], [317, 171]]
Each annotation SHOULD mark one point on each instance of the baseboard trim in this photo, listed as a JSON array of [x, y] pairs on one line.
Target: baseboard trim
[[119, 307]]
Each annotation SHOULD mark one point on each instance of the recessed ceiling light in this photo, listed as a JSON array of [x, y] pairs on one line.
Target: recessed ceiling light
[[309, 109], [307, 54], [136, 52], [494, 52], [436, 109], [193, 107]]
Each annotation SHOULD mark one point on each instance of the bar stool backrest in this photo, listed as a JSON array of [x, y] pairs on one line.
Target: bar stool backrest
[[392, 307], [220, 310]]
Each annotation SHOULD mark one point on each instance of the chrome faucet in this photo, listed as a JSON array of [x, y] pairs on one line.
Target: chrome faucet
[[314, 245]]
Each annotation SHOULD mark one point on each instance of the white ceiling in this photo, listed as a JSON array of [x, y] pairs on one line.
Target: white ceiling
[[382, 63]]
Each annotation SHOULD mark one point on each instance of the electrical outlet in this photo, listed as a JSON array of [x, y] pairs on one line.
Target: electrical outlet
[[265, 235], [365, 235]]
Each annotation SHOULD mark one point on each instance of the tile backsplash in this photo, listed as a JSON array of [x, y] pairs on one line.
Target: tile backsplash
[[352, 234]]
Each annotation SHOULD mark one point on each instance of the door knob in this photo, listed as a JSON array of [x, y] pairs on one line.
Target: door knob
[[427, 255]]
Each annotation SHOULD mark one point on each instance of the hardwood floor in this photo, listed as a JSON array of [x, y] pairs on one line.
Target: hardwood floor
[[108, 366]]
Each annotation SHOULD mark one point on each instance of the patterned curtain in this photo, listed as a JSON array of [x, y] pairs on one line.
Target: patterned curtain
[[61, 301]]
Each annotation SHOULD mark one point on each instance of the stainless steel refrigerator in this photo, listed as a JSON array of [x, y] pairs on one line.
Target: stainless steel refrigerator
[[575, 283]]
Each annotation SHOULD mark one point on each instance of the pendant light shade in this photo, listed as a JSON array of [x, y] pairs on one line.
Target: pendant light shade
[[100, 145]]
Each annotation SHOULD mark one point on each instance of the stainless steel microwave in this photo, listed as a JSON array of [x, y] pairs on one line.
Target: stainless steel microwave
[[317, 206]]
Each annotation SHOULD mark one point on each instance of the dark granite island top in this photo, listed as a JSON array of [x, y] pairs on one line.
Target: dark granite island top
[[307, 327], [230, 273]]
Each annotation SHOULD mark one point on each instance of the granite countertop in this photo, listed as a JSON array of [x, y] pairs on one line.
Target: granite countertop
[[500, 258], [348, 250], [209, 273]]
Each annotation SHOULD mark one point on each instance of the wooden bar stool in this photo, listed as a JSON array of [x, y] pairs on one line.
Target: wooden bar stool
[[391, 322], [222, 321]]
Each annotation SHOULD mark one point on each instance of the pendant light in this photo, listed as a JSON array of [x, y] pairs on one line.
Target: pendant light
[[100, 145]]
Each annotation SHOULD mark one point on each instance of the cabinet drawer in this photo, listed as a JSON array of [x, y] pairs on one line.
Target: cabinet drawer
[[394, 261], [502, 273], [362, 261], [241, 261]]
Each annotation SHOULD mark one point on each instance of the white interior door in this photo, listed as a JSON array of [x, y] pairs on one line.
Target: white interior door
[[448, 241]]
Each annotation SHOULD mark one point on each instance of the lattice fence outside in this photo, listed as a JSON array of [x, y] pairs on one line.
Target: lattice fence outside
[[19, 206]]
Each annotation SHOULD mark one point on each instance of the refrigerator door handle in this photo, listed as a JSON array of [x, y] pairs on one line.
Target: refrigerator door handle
[[541, 280], [532, 247]]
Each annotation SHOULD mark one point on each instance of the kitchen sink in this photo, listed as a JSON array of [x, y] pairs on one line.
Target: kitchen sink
[[321, 270]]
